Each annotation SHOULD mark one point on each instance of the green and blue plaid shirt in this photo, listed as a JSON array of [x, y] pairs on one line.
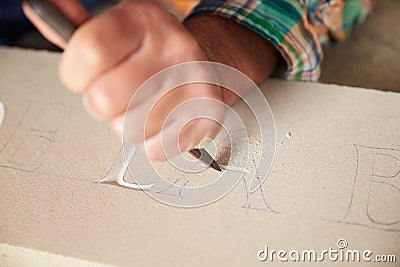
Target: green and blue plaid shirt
[[297, 28]]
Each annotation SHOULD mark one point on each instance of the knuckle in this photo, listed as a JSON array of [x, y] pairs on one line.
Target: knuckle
[[92, 39], [90, 52], [183, 47], [100, 102]]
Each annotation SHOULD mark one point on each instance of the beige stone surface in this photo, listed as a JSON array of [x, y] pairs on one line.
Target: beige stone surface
[[335, 175], [11, 256]]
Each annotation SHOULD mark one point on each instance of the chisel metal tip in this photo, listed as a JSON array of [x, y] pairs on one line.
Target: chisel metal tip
[[215, 166], [205, 157]]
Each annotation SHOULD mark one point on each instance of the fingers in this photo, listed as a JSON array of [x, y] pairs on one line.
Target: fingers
[[110, 56], [99, 45], [124, 59], [177, 123], [109, 94], [175, 140], [72, 9]]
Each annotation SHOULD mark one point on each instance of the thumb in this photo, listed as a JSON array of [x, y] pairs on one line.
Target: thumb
[[72, 9]]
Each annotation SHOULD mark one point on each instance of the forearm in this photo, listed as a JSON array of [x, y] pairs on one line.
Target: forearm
[[230, 43]]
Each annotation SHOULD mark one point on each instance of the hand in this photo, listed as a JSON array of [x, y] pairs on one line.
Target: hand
[[111, 55]]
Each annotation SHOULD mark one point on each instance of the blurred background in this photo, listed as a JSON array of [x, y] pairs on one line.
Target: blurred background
[[16, 30], [370, 58]]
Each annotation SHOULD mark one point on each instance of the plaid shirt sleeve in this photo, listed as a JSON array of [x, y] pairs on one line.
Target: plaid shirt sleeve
[[297, 28]]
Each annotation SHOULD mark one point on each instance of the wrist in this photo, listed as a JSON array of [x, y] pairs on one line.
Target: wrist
[[225, 41]]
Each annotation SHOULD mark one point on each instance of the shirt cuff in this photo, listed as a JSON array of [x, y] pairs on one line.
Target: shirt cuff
[[283, 23]]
